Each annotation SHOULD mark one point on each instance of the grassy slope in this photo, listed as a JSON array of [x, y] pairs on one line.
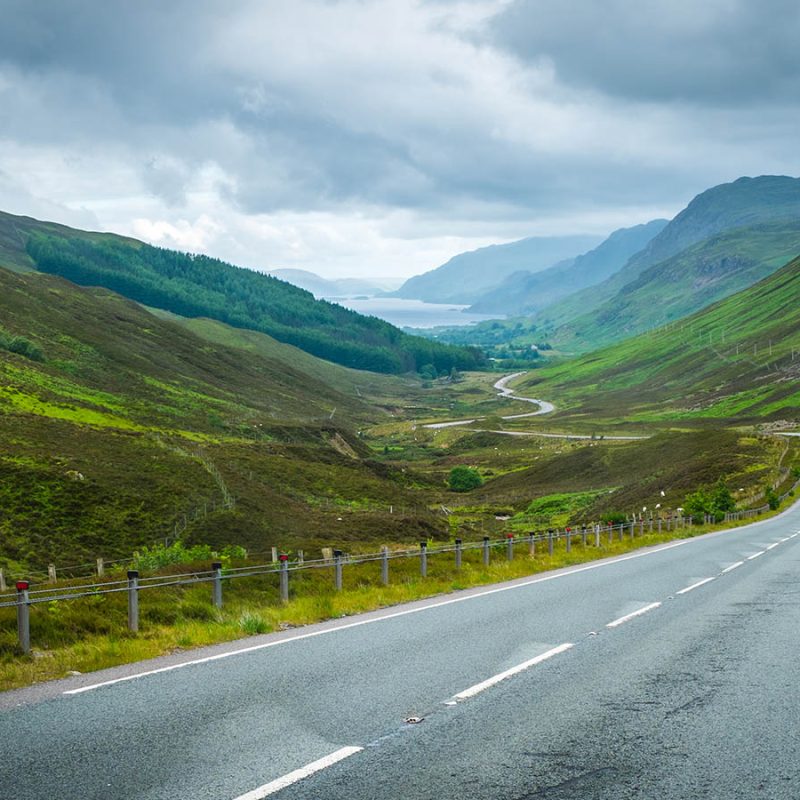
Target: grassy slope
[[683, 284], [131, 421], [15, 230], [732, 362], [745, 203]]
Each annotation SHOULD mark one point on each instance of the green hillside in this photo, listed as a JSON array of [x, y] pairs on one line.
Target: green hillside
[[676, 287], [199, 286], [736, 361], [117, 426], [747, 203]]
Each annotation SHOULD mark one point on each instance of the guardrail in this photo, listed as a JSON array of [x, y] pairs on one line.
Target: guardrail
[[589, 535], [28, 595]]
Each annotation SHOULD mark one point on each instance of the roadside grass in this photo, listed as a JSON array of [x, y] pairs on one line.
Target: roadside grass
[[91, 633]]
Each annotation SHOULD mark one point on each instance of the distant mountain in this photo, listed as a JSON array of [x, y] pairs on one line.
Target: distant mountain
[[199, 286], [465, 278], [324, 288], [526, 292], [744, 203], [678, 286]]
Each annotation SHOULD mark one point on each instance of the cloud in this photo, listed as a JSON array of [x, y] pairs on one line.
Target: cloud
[[343, 132], [726, 52]]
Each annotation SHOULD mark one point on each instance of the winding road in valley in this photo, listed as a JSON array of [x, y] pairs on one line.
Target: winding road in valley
[[545, 407], [503, 391]]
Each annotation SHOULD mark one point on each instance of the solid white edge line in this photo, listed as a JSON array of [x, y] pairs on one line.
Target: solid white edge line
[[695, 585], [732, 567], [298, 774], [755, 555], [393, 615], [501, 676], [633, 614]]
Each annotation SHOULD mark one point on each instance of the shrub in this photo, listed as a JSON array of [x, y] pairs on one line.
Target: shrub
[[21, 346], [464, 479], [771, 496], [252, 624]]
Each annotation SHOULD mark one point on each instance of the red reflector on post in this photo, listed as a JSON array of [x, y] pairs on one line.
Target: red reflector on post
[[283, 557], [23, 586]]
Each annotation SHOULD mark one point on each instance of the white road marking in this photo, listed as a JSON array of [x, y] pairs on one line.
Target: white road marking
[[732, 567], [633, 614], [254, 648], [501, 676], [774, 544], [755, 555], [298, 775], [695, 586]]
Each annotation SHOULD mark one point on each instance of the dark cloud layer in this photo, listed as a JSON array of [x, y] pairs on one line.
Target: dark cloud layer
[[452, 114], [731, 52]]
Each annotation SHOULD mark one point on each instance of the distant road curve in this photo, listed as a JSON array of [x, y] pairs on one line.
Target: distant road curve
[[504, 391], [544, 408]]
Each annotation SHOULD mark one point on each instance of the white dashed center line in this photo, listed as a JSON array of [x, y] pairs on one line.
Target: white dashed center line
[[633, 614], [732, 567], [755, 555], [501, 676], [695, 585], [298, 774]]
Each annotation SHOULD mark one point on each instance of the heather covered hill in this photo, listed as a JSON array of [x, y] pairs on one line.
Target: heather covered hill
[[736, 361], [117, 425]]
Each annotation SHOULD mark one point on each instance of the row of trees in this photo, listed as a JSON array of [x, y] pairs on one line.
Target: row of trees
[[199, 286]]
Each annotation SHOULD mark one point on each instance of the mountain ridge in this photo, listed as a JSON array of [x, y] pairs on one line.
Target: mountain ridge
[[463, 278], [525, 292]]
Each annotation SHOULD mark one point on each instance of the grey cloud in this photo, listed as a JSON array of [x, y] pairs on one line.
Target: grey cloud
[[724, 51], [142, 77]]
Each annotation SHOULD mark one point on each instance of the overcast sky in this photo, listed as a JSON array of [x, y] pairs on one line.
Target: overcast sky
[[358, 138]]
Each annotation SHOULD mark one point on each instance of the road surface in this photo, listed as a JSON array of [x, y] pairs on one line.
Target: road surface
[[503, 391], [668, 673]]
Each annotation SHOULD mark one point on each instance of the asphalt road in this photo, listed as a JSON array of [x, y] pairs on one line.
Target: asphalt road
[[668, 673]]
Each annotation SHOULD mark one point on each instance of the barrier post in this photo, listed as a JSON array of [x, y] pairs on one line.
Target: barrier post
[[423, 559], [458, 553], [337, 570], [133, 600], [216, 585], [385, 565], [24, 616], [284, 559]]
